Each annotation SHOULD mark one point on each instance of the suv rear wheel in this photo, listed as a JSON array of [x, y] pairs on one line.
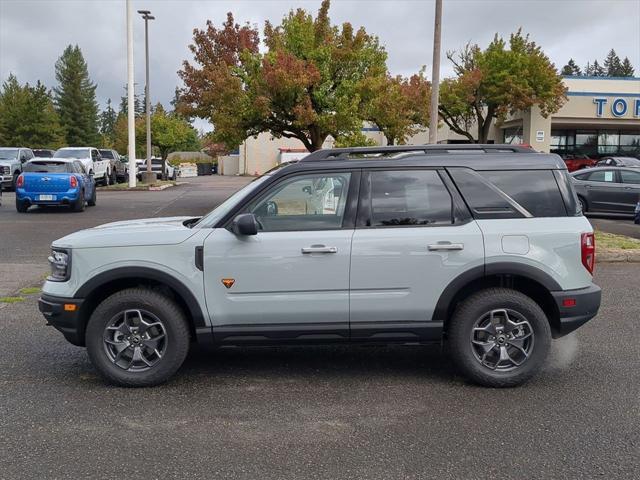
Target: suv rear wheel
[[137, 338], [499, 337]]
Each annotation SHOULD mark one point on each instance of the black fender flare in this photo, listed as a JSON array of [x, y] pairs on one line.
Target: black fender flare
[[490, 269], [146, 273]]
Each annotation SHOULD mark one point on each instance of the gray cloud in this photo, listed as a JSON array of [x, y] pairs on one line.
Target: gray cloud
[[33, 33]]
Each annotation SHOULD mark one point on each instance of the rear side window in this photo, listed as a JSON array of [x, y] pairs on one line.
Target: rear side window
[[630, 177], [510, 193], [535, 190], [409, 197]]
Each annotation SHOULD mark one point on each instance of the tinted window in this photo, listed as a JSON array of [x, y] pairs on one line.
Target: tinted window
[[304, 202], [602, 176], [106, 153], [535, 190], [47, 167], [43, 153], [409, 197], [630, 177], [95, 156], [484, 199]]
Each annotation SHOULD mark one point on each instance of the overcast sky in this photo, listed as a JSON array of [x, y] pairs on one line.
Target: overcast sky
[[33, 33]]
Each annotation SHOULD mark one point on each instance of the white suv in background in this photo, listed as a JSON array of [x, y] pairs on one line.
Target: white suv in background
[[482, 247]]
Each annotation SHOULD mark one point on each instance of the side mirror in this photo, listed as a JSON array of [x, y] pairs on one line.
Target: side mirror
[[245, 224]]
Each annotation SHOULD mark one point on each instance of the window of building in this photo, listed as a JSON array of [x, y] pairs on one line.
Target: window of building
[[608, 142], [513, 136], [409, 197]]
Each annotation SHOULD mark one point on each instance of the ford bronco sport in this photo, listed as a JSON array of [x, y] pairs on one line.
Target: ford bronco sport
[[482, 247]]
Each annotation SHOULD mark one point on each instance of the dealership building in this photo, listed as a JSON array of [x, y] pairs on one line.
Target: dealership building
[[601, 117]]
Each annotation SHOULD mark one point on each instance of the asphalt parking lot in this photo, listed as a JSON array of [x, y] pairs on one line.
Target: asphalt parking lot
[[315, 412]]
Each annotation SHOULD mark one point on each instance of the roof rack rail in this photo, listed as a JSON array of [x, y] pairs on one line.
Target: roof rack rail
[[442, 148]]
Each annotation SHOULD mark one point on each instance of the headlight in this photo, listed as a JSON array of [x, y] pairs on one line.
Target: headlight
[[60, 262]]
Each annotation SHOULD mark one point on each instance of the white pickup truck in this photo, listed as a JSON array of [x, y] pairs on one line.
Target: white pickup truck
[[91, 159]]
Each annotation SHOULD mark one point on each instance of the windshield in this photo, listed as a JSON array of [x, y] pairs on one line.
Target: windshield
[[47, 167], [43, 153], [8, 153], [106, 153], [68, 153], [221, 210]]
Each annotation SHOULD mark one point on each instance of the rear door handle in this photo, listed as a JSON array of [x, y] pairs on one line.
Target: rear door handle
[[445, 246], [319, 249]]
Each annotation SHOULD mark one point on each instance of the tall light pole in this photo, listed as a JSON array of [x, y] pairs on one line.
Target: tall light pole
[[146, 14], [435, 74], [131, 151]]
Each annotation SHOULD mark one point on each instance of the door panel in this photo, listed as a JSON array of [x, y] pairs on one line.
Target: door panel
[[630, 194], [395, 277], [276, 286], [603, 191]]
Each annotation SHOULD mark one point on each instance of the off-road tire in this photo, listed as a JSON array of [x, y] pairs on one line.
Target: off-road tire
[[174, 322], [459, 330]]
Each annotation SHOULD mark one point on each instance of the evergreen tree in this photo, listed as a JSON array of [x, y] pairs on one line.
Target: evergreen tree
[[597, 70], [588, 70], [108, 120], [75, 98], [571, 69], [28, 117], [612, 64], [626, 70]]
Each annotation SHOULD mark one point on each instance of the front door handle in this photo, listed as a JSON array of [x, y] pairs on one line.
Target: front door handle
[[445, 246], [319, 249]]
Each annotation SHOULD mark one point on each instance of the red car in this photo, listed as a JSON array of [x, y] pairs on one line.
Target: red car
[[578, 162]]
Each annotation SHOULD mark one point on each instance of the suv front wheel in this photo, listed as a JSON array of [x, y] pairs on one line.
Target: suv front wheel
[[137, 338], [499, 337]]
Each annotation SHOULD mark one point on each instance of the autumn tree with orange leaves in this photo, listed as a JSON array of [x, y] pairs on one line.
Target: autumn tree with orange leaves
[[314, 80], [492, 83]]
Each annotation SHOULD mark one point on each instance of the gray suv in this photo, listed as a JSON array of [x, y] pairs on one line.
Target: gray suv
[[480, 247]]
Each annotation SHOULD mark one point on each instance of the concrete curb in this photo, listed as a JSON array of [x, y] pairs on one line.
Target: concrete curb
[[615, 255]]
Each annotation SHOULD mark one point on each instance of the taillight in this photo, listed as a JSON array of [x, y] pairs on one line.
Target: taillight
[[588, 249], [20, 181], [74, 181]]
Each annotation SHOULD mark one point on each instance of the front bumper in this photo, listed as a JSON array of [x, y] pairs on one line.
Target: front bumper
[[64, 315], [576, 307], [6, 180]]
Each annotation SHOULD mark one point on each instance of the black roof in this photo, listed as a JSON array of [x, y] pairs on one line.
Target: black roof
[[474, 156]]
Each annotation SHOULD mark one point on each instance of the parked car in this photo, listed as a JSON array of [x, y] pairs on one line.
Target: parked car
[[170, 172], [608, 189], [59, 181], [122, 168], [578, 162], [404, 244], [43, 153], [11, 161], [114, 163], [91, 159], [618, 162]]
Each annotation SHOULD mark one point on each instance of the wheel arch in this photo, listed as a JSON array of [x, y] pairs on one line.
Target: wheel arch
[[98, 288], [526, 279]]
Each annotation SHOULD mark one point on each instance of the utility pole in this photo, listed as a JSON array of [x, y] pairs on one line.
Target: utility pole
[[131, 151], [435, 74], [146, 14]]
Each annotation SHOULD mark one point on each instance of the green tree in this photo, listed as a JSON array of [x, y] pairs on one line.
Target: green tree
[[108, 119], [75, 98], [571, 69], [28, 117], [354, 139], [626, 69], [398, 106], [491, 83], [304, 86], [595, 70], [612, 64]]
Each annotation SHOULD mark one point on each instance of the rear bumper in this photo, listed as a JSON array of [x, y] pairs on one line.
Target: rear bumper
[[59, 198], [586, 302], [64, 318]]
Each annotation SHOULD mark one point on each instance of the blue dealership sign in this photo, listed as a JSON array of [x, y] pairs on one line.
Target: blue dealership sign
[[619, 106]]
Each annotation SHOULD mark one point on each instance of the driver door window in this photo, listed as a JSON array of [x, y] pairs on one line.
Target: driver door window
[[304, 202]]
